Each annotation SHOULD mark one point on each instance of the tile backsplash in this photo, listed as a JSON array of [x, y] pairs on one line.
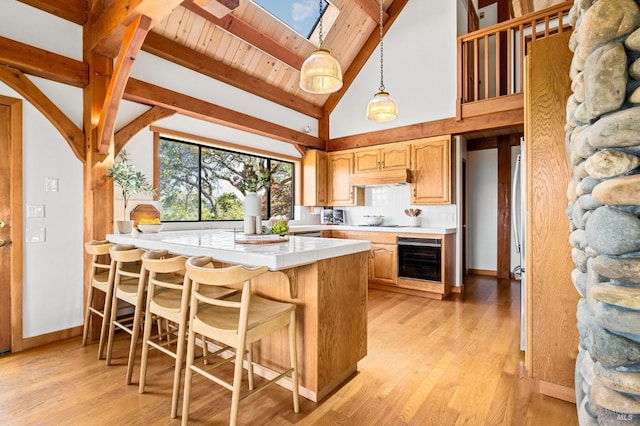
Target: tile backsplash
[[390, 201]]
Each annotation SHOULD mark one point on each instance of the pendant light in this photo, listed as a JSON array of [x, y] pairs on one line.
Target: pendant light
[[320, 73], [382, 107]]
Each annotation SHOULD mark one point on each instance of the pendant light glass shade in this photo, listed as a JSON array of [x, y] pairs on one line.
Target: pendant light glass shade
[[321, 73], [382, 108]]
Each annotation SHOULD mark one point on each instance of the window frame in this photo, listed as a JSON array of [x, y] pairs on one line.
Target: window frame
[[180, 137]]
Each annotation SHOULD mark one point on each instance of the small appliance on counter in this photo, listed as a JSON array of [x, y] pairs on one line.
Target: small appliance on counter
[[332, 217]]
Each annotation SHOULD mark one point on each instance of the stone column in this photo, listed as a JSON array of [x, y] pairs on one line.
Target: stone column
[[603, 139]]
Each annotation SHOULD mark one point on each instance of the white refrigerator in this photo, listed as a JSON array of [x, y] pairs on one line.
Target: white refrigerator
[[518, 218]]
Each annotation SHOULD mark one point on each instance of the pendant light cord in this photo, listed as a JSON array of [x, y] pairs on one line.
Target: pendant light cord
[[381, 51], [320, 24]]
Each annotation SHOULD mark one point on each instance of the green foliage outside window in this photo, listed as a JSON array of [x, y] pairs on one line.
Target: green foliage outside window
[[204, 183]]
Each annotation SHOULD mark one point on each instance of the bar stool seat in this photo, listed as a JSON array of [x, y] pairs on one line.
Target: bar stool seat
[[237, 322]]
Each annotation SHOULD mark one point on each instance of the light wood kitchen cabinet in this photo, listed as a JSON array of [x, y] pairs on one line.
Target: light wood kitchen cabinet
[[431, 171], [314, 178], [383, 264], [340, 192], [390, 157]]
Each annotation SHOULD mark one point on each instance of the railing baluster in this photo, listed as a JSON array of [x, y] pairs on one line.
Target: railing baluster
[[486, 79], [522, 53], [498, 67], [476, 70], [546, 26], [509, 63]]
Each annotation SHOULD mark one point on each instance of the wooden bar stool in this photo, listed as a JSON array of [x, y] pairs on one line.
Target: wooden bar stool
[[99, 279], [129, 286], [237, 322], [168, 296]]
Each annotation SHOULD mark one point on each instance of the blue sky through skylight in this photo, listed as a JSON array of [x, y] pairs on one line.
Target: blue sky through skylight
[[300, 15]]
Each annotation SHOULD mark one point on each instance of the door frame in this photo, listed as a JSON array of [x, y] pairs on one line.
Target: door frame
[[16, 234]]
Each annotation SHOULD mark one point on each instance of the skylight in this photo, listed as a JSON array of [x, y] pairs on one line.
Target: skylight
[[299, 15]]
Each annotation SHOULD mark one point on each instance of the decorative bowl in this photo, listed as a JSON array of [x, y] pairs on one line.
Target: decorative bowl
[[374, 220], [150, 228]]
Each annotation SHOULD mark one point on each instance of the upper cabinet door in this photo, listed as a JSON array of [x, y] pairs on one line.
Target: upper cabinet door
[[395, 156], [314, 175], [366, 160], [431, 169], [340, 191]]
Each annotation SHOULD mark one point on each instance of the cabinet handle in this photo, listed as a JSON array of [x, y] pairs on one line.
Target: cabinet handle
[[415, 193], [382, 168], [378, 165]]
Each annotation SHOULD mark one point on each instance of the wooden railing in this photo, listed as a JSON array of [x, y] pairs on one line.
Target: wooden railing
[[491, 60]]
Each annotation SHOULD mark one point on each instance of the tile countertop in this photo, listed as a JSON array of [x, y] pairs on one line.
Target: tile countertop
[[397, 229], [221, 245]]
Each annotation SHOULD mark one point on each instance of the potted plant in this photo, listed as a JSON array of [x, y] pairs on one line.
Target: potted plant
[[130, 183]]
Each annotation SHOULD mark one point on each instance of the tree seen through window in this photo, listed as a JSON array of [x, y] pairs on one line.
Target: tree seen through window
[[199, 183]]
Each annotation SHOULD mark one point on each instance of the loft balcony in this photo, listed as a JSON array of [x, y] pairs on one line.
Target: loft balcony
[[491, 63]]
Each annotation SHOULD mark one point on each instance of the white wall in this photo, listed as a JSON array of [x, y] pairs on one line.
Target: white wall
[[482, 211], [419, 71]]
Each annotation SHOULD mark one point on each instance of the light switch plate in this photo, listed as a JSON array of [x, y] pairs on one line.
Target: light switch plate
[[52, 184], [36, 235], [35, 210]]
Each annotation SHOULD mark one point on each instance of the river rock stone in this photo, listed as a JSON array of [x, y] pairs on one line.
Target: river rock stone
[[633, 41], [612, 231], [621, 381], [581, 114], [612, 350], [587, 368], [578, 239], [577, 216], [634, 97], [589, 251], [579, 280], [625, 297], [585, 418], [587, 184], [617, 320], [577, 86], [588, 203], [580, 259], [608, 163], [634, 70], [612, 400], [605, 81], [619, 191], [577, 64], [604, 21], [623, 269], [572, 191], [580, 171], [618, 129]]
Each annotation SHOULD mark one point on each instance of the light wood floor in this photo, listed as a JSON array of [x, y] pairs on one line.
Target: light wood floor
[[452, 362]]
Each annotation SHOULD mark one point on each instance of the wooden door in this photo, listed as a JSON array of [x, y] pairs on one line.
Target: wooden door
[[314, 178], [10, 224], [551, 333]]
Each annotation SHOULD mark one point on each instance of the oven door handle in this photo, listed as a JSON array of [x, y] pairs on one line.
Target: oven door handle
[[409, 244]]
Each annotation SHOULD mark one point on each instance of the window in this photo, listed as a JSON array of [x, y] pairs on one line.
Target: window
[[301, 15], [201, 183]]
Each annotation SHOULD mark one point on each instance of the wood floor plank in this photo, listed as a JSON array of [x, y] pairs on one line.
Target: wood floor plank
[[429, 362]]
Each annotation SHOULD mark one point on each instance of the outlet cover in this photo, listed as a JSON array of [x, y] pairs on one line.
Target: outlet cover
[[36, 235], [35, 210], [52, 184]]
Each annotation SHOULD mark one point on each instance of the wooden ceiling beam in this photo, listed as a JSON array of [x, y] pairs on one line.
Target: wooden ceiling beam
[[71, 10], [42, 63], [249, 34], [149, 94], [107, 31], [19, 82], [218, 8], [372, 7], [365, 52], [174, 52], [125, 134], [132, 42]]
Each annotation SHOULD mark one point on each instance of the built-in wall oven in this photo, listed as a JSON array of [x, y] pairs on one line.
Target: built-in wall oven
[[420, 258]]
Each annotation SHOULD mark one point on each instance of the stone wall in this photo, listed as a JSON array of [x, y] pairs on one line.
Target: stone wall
[[603, 138]]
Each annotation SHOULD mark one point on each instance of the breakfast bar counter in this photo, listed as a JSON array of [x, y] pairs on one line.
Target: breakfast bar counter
[[325, 278]]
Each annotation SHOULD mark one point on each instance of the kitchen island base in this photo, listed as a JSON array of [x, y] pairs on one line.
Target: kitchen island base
[[331, 312]]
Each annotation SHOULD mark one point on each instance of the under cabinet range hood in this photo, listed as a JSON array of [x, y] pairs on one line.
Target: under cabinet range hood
[[381, 177]]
